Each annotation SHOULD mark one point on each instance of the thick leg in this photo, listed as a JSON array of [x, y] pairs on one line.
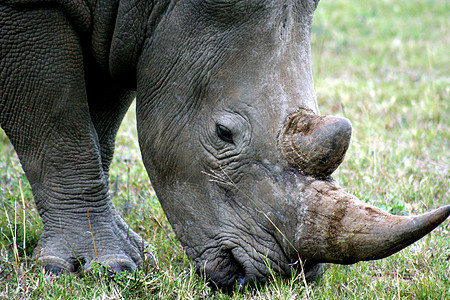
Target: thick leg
[[45, 112], [107, 105]]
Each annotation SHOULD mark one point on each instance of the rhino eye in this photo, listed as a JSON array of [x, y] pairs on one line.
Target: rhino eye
[[224, 134]]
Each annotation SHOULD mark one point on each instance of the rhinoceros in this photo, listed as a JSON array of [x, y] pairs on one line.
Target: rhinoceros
[[228, 126]]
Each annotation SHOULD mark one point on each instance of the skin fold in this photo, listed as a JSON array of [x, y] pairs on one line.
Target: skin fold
[[228, 126]]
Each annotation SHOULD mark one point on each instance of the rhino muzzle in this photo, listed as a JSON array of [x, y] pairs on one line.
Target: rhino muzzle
[[333, 225]]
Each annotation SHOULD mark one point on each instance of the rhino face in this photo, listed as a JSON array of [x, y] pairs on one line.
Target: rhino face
[[239, 158]]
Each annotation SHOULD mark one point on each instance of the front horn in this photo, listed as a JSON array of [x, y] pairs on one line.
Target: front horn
[[315, 144], [336, 227]]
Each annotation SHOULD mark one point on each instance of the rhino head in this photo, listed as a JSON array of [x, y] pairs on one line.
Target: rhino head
[[237, 152]]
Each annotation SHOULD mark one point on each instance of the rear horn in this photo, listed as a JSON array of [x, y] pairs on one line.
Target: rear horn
[[315, 144]]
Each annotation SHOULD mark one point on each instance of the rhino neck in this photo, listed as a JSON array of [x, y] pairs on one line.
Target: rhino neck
[[118, 31], [129, 32]]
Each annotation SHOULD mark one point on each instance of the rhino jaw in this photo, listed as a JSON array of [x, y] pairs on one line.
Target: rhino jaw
[[336, 227]]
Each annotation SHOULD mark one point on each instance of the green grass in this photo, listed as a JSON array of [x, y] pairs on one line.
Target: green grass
[[382, 64]]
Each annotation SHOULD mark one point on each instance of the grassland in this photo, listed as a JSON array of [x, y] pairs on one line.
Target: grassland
[[382, 64]]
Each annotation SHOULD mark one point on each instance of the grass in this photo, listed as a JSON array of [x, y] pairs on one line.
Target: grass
[[385, 66]]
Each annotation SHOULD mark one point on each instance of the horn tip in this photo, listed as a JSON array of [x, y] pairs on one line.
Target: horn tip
[[442, 213], [434, 218]]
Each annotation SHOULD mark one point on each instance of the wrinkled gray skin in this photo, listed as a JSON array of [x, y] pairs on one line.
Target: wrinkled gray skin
[[228, 128]]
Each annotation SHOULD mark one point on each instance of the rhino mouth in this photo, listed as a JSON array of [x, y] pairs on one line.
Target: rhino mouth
[[239, 274], [242, 265]]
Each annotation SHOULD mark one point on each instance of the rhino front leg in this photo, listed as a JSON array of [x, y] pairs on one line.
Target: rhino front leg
[[108, 105], [45, 113]]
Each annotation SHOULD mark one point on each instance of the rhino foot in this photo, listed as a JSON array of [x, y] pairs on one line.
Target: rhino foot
[[76, 249], [112, 264], [55, 265]]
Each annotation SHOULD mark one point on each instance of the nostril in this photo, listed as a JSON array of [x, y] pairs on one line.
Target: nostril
[[78, 264], [239, 271], [225, 271], [241, 282]]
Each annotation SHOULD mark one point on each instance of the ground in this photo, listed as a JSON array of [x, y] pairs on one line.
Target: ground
[[382, 64]]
